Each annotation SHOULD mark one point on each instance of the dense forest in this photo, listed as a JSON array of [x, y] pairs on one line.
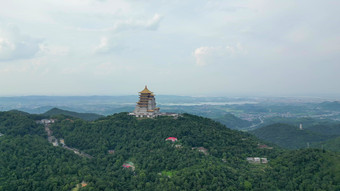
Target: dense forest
[[133, 154], [233, 122], [321, 135]]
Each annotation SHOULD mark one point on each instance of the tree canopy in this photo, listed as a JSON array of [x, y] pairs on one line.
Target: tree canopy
[[29, 162]]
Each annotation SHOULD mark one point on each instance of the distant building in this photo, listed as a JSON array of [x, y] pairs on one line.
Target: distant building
[[129, 165], [264, 146], [257, 160], [83, 183], [62, 142], [201, 149], [146, 106], [55, 143], [250, 159], [173, 139], [46, 121], [301, 127], [264, 160]]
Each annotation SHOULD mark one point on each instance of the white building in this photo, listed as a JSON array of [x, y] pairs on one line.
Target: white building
[[146, 106], [264, 160]]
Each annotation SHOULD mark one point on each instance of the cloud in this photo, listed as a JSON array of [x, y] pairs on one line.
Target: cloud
[[207, 55], [53, 50], [109, 68], [135, 24], [15, 45], [106, 45], [131, 24]]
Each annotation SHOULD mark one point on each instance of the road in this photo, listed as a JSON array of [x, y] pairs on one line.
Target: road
[[55, 142]]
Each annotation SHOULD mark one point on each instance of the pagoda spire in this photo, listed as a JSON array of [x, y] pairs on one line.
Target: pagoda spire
[[146, 90]]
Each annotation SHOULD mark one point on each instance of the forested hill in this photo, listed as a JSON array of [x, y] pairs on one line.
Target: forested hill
[[85, 116], [291, 137], [233, 122], [132, 154]]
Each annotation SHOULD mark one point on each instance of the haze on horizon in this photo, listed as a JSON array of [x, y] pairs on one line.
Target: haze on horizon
[[194, 47]]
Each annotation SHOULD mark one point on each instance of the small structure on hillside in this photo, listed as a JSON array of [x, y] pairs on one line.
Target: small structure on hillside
[[111, 152], [264, 146], [300, 127], [257, 160], [54, 141], [129, 164], [1, 134], [83, 184], [264, 160], [62, 142], [80, 185], [201, 149], [46, 121], [173, 139]]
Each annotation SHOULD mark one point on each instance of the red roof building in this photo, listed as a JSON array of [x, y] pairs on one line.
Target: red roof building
[[127, 165], [173, 139]]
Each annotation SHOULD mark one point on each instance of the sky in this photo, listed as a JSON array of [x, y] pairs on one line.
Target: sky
[[191, 47]]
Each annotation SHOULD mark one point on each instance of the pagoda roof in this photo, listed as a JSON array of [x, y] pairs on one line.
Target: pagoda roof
[[146, 91]]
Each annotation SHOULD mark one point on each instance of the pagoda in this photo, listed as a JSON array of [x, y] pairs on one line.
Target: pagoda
[[146, 106]]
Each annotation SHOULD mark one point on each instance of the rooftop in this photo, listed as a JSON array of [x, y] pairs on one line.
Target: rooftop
[[146, 91]]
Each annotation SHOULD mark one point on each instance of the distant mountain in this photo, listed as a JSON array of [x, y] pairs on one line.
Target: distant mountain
[[289, 136], [233, 122], [85, 116], [335, 105], [326, 129], [305, 121]]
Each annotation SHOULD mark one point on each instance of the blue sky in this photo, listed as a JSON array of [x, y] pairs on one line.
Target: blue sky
[[193, 47]]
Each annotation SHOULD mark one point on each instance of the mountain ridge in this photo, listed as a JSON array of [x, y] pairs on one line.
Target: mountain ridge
[[86, 116]]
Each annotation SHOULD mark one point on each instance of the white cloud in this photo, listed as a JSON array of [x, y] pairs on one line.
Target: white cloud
[[54, 50], [108, 68], [107, 45], [122, 24], [207, 55], [15, 45]]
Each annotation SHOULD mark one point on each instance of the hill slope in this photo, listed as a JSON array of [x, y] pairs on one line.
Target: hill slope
[[325, 129], [85, 116], [233, 122], [132, 154], [332, 144], [289, 136]]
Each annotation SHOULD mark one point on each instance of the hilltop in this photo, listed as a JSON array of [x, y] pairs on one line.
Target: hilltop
[[85, 116], [291, 137], [233, 122]]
